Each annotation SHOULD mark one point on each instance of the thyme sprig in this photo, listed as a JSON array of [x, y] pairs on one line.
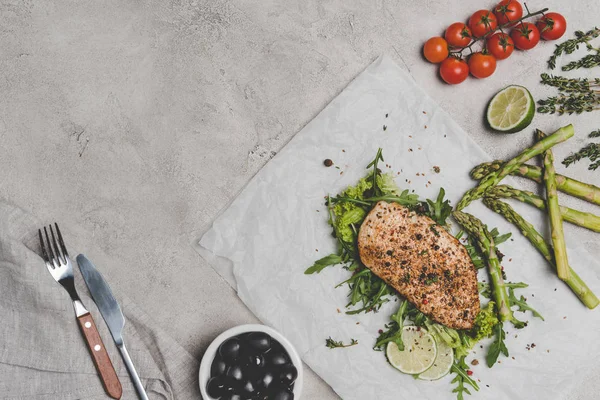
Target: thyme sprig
[[571, 45]]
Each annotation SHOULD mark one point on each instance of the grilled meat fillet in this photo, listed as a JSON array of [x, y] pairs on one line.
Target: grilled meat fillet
[[422, 261]]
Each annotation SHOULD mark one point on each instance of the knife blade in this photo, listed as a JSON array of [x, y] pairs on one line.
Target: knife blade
[[112, 314], [103, 297]]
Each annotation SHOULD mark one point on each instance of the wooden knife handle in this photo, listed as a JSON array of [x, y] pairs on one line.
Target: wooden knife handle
[[109, 377]]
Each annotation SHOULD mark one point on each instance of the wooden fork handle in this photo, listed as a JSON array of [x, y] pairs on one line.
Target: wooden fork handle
[[104, 366]]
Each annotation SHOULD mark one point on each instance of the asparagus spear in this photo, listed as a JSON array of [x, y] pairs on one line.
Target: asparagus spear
[[493, 178], [584, 191], [556, 222], [577, 285], [583, 219], [475, 228]]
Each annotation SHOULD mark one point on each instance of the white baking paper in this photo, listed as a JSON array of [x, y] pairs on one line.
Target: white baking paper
[[277, 228]]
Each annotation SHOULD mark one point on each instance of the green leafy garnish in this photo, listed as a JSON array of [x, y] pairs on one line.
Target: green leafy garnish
[[497, 346], [440, 209], [334, 344], [319, 265], [521, 303], [460, 368], [393, 332]]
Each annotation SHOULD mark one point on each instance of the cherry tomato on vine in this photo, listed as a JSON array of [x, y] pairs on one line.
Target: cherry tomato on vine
[[500, 45], [458, 35], [435, 50], [552, 26], [482, 22], [508, 11], [454, 70], [525, 35], [482, 65]]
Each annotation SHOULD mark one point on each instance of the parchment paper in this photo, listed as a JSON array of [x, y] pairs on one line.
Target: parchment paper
[[277, 228]]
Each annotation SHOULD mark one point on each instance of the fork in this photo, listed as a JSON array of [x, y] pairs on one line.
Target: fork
[[58, 263]]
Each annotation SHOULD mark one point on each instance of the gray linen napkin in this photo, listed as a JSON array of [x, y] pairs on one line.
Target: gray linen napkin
[[42, 353]]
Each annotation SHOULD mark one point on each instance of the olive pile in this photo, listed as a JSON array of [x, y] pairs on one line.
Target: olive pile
[[252, 366]]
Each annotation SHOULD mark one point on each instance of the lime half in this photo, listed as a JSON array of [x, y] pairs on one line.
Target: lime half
[[418, 354], [511, 110], [442, 363]]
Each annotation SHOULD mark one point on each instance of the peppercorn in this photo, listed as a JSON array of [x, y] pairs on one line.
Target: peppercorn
[[328, 162], [469, 372]]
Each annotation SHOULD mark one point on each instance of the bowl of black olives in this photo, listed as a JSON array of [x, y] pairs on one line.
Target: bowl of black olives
[[251, 362]]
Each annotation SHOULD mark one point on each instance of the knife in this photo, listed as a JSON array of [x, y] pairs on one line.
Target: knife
[[111, 312]]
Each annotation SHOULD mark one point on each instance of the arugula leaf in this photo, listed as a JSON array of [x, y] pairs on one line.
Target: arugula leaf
[[369, 290], [378, 157], [394, 328], [324, 262], [440, 209], [484, 289], [521, 303], [460, 368], [497, 346], [333, 344]]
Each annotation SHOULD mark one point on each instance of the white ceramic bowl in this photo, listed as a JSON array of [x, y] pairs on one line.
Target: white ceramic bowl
[[211, 352]]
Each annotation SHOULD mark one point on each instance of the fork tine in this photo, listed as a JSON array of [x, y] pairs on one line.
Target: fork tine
[[44, 253], [59, 255], [61, 242], [53, 259]]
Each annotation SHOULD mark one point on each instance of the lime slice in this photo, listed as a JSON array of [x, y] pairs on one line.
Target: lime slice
[[442, 363], [418, 354], [511, 109]]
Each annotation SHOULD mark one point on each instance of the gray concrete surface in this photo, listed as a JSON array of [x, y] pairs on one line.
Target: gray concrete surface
[[134, 122]]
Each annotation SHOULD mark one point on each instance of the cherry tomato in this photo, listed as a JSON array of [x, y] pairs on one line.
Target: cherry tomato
[[500, 45], [482, 65], [526, 36], [458, 35], [508, 11], [435, 50], [552, 26], [482, 22], [454, 70]]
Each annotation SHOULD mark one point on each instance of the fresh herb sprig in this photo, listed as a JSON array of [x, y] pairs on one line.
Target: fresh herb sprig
[[393, 331], [590, 151], [498, 346], [570, 84], [571, 45], [589, 61], [521, 303], [462, 379], [440, 209], [334, 344]]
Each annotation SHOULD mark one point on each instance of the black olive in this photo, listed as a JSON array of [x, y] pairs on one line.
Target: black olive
[[218, 367], [288, 374], [216, 387], [230, 350], [282, 394], [248, 389], [267, 380], [255, 360], [235, 374], [277, 359], [259, 341], [232, 396]]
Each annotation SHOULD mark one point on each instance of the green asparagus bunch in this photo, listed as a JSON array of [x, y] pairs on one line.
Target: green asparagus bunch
[[475, 229], [576, 217], [567, 185], [577, 285], [510, 166]]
